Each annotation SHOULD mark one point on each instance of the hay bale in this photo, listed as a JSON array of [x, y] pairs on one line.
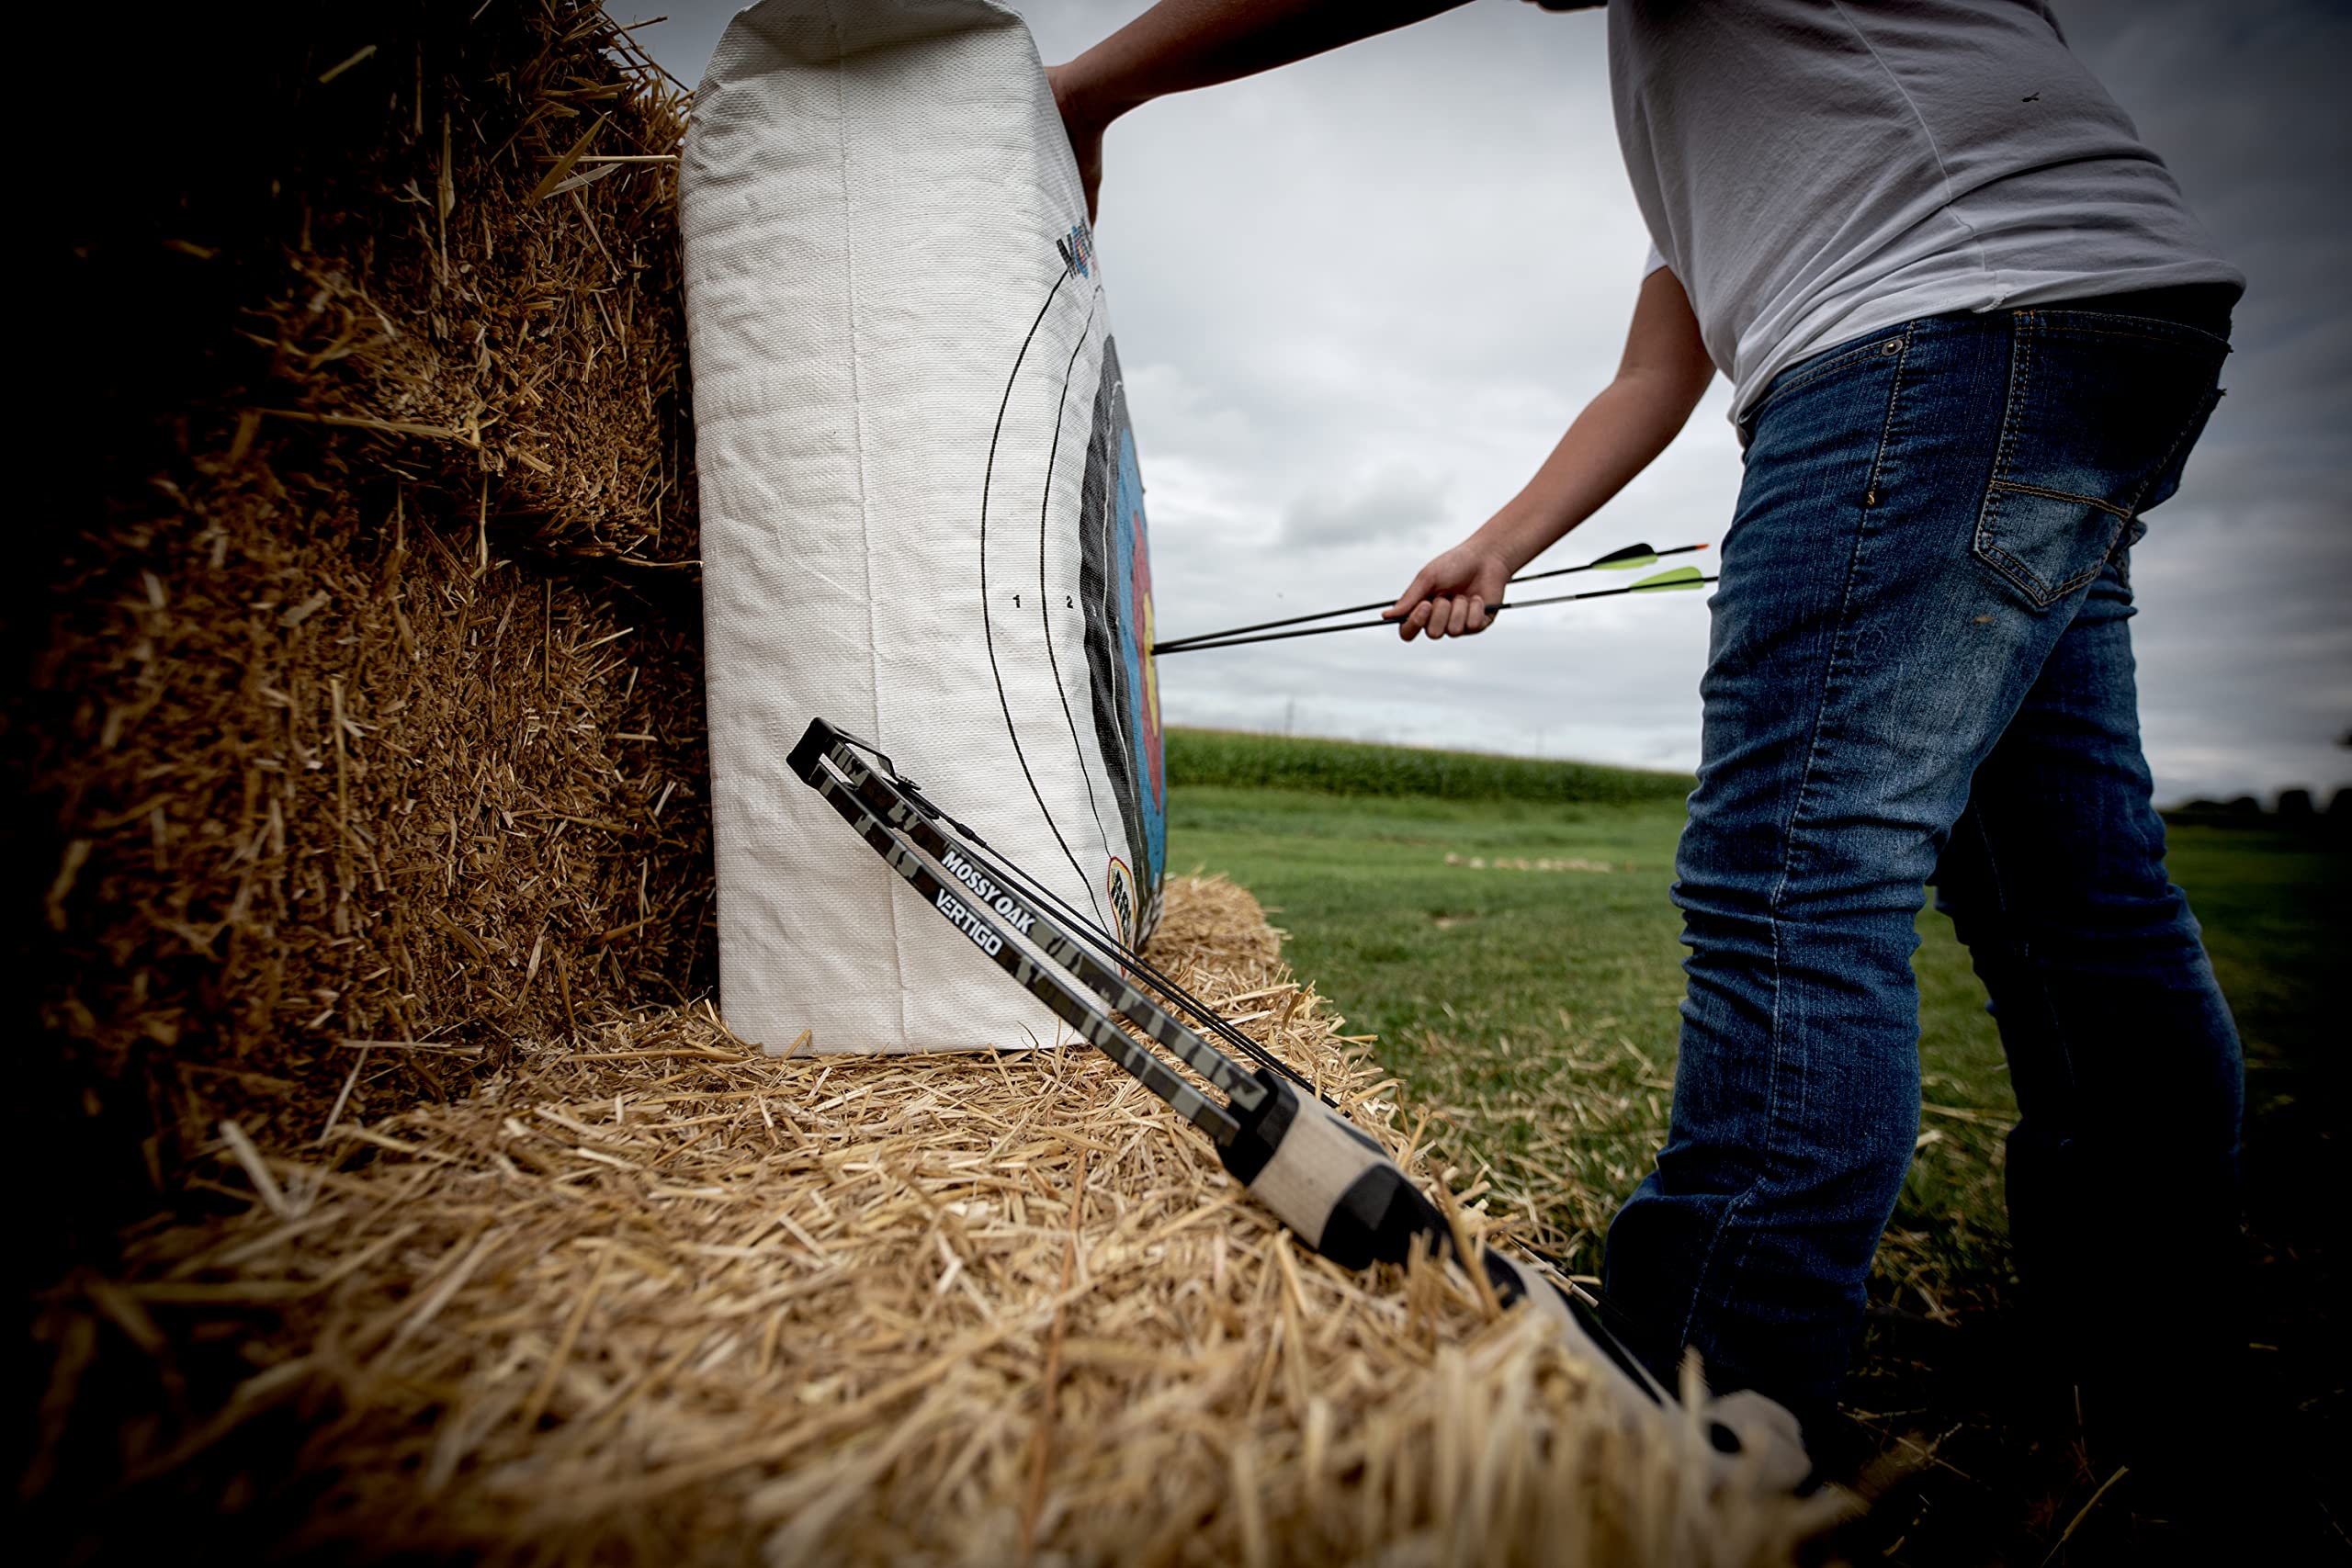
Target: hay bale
[[665, 1298], [354, 690]]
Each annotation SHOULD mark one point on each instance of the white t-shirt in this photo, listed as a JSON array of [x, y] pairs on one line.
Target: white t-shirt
[[1814, 170]]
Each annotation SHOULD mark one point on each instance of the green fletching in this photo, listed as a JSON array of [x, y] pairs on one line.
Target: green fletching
[[1680, 577], [1626, 559]]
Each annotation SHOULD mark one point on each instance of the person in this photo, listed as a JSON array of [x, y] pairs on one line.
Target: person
[[1972, 331]]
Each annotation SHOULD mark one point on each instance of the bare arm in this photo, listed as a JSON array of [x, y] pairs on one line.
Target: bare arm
[[1659, 380], [1179, 45]]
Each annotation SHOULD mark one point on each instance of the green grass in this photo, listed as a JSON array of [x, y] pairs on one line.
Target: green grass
[[1502, 926], [2276, 906], [1238, 759], [1520, 964]]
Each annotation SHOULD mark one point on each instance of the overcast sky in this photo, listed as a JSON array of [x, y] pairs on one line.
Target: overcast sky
[[1358, 300]]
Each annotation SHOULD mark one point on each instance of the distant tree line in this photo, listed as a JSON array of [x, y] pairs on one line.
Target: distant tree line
[[2289, 808]]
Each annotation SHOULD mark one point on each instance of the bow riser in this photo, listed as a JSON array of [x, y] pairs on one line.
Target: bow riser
[[902, 808]]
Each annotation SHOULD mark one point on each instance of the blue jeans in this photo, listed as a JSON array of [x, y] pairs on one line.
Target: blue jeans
[[1920, 671]]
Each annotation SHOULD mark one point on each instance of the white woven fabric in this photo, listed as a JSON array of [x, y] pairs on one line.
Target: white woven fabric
[[920, 514]]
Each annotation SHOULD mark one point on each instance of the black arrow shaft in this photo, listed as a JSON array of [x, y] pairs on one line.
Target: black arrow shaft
[[1200, 643], [1177, 645]]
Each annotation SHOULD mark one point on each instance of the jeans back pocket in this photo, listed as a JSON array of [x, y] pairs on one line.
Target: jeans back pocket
[[2102, 410]]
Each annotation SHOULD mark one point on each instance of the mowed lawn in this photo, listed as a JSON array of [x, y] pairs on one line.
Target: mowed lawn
[[1503, 927]]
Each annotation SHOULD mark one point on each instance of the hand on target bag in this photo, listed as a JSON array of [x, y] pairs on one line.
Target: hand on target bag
[[1450, 596]]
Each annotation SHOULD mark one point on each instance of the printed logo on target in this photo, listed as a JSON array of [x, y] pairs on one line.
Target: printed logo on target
[[1077, 250], [1120, 885]]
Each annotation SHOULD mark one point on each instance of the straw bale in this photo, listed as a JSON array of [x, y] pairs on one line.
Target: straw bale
[[494, 276], [660, 1298], [352, 686]]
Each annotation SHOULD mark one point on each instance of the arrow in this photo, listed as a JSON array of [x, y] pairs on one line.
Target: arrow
[[1632, 557], [1664, 582]]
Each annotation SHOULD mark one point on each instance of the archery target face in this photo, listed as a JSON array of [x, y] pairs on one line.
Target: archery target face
[[1125, 687], [1067, 593], [922, 519]]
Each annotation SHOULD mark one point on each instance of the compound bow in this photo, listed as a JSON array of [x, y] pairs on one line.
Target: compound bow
[[1321, 1175]]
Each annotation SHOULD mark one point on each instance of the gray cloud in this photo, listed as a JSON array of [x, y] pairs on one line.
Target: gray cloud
[[1359, 298], [1395, 502], [2245, 651]]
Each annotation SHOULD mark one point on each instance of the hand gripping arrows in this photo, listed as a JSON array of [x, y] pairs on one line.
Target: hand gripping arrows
[[1632, 557], [1322, 1176]]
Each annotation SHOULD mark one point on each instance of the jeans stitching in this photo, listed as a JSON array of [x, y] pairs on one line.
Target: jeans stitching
[[1985, 548], [2048, 494], [1876, 346], [2020, 363], [2030, 585], [1838, 657]]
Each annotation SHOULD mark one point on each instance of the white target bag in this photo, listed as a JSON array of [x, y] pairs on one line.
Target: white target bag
[[922, 517]]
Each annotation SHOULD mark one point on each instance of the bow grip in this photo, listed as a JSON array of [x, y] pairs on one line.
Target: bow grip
[[1329, 1182], [1345, 1198]]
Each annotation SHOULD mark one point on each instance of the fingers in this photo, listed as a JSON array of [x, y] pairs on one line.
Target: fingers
[[1419, 611], [1449, 615], [1411, 611], [1414, 592]]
